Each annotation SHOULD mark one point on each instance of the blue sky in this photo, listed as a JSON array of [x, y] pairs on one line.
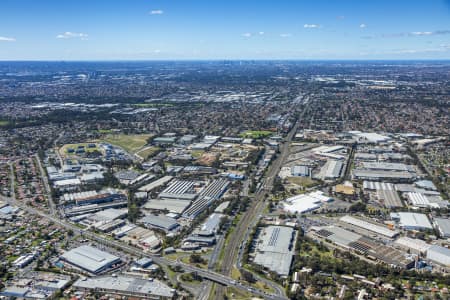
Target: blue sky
[[224, 29]]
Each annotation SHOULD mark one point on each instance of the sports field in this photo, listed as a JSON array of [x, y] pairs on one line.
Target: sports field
[[129, 142]]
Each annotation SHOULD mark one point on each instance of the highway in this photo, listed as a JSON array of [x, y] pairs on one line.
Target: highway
[[235, 248], [207, 274]]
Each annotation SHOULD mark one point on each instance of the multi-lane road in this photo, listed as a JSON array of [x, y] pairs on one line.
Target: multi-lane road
[[207, 274]]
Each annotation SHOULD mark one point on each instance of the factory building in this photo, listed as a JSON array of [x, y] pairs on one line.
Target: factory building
[[443, 226], [275, 249], [90, 259], [439, 254], [126, 286], [412, 221]]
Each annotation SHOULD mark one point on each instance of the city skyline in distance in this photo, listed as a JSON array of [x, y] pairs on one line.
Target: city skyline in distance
[[229, 30]]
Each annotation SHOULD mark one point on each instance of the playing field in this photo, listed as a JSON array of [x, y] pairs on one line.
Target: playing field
[[129, 142]]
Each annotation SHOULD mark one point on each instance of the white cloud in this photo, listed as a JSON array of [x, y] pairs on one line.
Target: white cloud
[[156, 12], [247, 34], [422, 33], [71, 35], [362, 25], [261, 33], [285, 35], [7, 39], [311, 26]]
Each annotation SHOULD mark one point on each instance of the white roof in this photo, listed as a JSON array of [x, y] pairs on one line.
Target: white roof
[[414, 220], [90, 258], [305, 202]]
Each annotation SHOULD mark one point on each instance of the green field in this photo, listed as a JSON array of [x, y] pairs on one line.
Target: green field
[[131, 143], [3, 123], [256, 134], [147, 152]]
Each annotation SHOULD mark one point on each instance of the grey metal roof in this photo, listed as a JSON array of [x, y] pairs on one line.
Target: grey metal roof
[[90, 258], [443, 225]]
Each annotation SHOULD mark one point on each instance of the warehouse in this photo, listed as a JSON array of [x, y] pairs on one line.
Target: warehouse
[[332, 169], [179, 189], [172, 205], [305, 202], [160, 222], [275, 249], [214, 191], [90, 259], [155, 184], [377, 185], [363, 174], [439, 254], [369, 226], [382, 166], [412, 221], [389, 198], [126, 286], [420, 200], [443, 226], [210, 226], [302, 171], [414, 245]]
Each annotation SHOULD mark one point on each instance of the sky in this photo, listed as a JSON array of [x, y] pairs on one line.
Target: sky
[[224, 29]]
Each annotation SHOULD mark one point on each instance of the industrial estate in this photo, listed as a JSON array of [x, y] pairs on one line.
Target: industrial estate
[[195, 180]]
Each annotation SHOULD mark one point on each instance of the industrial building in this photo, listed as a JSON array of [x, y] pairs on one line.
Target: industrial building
[[155, 184], [443, 226], [91, 197], [412, 221], [305, 202], [439, 254], [275, 249], [213, 192], [160, 222], [383, 166], [389, 198], [302, 171], [126, 286], [90, 259], [364, 174], [369, 226], [179, 189], [414, 245], [331, 170]]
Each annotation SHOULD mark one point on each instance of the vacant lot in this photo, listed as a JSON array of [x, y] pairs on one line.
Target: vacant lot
[[256, 134]]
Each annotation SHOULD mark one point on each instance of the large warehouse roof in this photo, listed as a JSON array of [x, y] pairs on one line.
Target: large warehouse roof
[[274, 250], [443, 226], [90, 259], [369, 226], [414, 221]]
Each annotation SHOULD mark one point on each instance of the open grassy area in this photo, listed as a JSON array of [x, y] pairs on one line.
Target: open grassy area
[[148, 152], [302, 181], [256, 134], [131, 143], [3, 123]]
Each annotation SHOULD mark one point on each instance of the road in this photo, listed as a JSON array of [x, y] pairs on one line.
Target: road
[[207, 274], [235, 248], [48, 191], [236, 244]]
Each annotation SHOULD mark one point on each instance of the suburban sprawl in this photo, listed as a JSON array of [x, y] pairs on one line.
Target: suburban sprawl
[[225, 180]]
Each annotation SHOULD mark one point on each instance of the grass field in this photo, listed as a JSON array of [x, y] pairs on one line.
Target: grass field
[[256, 134], [148, 152], [131, 143], [302, 181], [3, 123]]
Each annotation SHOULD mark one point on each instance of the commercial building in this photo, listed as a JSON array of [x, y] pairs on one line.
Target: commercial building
[[126, 286], [364, 174], [90, 259], [389, 198], [275, 249], [179, 189], [302, 171], [331, 170]]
